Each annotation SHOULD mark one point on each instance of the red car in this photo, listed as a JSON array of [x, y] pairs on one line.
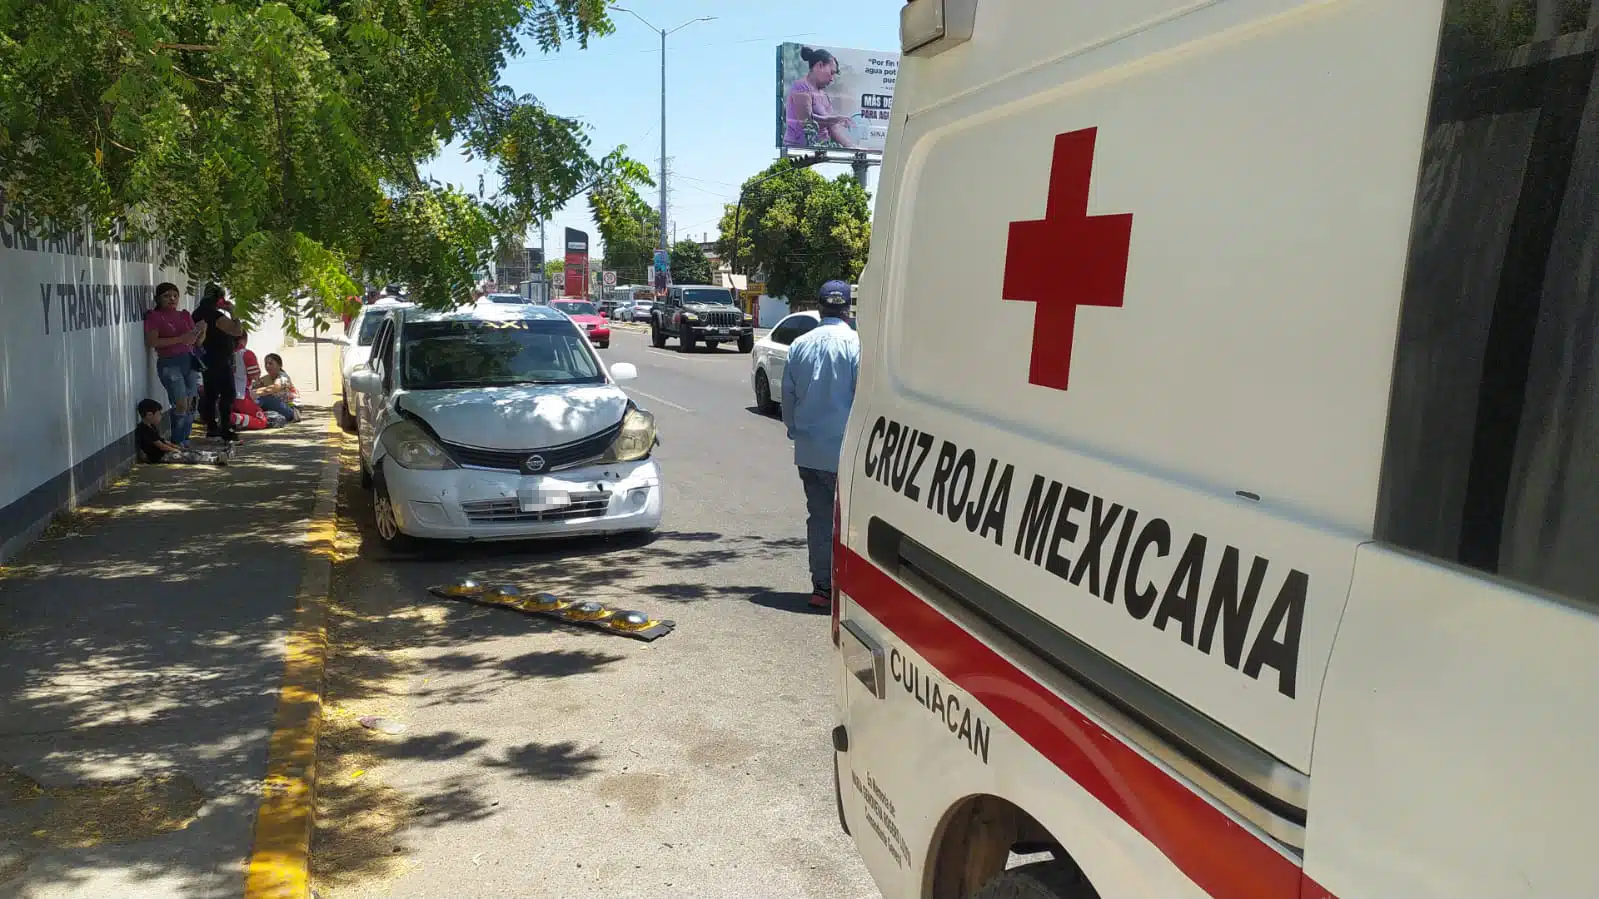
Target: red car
[[589, 319]]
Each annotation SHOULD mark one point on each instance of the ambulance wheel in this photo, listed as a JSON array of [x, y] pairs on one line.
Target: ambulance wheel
[[1043, 880]]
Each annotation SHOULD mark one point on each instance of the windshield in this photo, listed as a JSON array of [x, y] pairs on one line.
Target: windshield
[[705, 295], [439, 355], [370, 322], [577, 308]]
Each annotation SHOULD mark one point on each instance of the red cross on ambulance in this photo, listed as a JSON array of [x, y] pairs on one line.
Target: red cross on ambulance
[[1066, 259]]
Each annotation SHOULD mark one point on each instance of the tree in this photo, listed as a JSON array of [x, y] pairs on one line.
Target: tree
[[277, 145], [553, 267], [801, 229], [689, 263], [628, 225]]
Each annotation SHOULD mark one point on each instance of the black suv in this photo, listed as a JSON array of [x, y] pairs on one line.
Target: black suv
[[695, 313]]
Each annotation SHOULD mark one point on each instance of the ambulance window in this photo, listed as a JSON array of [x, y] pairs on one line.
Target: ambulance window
[[1492, 454]]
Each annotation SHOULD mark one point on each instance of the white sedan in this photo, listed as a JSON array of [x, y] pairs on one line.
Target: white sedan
[[499, 423], [771, 355], [357, 349]]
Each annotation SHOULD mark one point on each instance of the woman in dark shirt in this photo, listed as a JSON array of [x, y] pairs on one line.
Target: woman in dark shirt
[[221, 336]]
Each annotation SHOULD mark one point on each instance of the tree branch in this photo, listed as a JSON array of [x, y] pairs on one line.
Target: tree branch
[[196, 48]]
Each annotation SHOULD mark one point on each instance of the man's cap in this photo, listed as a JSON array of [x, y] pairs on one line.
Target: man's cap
[[835, 293]]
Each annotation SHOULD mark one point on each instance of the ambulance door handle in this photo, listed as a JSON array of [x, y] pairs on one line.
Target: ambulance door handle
[[865, 658]]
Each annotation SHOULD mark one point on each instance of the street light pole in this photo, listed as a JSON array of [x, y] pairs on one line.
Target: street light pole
[[664, 33]]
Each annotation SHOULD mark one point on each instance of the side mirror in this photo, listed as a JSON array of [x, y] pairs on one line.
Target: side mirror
[[624, 371], [365, 380], [604, 314]]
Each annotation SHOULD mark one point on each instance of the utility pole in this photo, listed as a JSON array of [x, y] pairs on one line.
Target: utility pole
[[664, 33]]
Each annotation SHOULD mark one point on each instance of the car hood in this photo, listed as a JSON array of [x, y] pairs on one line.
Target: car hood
[[587, 319], [517, 418], [710, 307]]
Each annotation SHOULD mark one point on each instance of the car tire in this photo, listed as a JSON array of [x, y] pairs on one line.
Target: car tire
[[366, 476], [1041, 880], [346, 420], [388, 527], [685, 342], [763, 393], [746, 344], [604, 346], [656, 337]]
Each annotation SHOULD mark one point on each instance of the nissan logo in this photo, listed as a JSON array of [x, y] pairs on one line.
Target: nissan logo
[[535, 463]]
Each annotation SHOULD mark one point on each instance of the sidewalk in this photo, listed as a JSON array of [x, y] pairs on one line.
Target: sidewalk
[[141, 655]]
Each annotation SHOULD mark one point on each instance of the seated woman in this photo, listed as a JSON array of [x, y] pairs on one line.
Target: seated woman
[[274, 390]]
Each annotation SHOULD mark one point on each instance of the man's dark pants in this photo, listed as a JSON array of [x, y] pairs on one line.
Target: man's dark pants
[[820, 487]]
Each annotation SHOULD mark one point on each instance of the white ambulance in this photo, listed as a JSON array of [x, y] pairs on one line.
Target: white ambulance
[[1219, 514]]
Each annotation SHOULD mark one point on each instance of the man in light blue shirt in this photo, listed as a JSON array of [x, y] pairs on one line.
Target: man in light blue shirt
[[818, 389]]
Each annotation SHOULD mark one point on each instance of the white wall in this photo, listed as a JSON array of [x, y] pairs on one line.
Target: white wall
[[772, 310], [72, 366]]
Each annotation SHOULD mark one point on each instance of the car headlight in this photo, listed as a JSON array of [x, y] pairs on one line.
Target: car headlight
[[748, 318], [411, 447], [690, 317], [636, 439]]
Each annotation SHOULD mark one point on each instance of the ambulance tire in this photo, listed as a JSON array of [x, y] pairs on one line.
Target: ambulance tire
[[1043, 880]]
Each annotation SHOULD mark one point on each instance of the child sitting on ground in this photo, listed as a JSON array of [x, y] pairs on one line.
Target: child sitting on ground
[[154, 448]]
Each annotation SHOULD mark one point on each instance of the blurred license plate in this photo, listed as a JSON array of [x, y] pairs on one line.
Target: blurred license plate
[[542, 500], [721, 330]]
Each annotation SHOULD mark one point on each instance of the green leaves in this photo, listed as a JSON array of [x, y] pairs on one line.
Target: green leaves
[[629, 226], [277, 144], [689, 263], [801, 229]]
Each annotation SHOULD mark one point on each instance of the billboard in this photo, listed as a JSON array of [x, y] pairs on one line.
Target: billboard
[[834, 98], [577, 263]]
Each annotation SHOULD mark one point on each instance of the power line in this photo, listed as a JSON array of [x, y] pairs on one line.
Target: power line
[[623, 55]]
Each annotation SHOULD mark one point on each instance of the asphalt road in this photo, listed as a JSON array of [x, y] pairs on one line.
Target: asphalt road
[[539, 761]]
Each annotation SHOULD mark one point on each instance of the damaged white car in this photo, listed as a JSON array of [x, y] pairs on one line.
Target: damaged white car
[[500, 423]]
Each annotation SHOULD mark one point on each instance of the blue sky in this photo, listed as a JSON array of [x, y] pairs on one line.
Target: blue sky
[[719, 92]]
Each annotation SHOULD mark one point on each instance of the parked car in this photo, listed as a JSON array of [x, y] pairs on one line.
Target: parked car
[[500, 422], [641, 310], [622, 313], [695, 313], [588, 318], [770, 356], [357, 348]]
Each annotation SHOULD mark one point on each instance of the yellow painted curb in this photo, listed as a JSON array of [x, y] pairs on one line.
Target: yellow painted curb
[[279, 863]]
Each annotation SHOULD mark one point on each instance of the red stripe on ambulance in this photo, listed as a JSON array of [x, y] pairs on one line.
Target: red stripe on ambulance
[[1218, 854]]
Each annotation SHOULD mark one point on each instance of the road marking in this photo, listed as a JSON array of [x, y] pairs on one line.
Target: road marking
[[279, 865], [664, 402]]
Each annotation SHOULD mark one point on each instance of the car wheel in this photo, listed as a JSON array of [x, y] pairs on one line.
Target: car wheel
[[685, 342], [763, 394], [346, 420], [366, 476], [606, 345], [746, 344], [388, 525], [656, 337]]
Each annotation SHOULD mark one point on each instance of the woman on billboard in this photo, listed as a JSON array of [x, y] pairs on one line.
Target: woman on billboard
[[808, 111]]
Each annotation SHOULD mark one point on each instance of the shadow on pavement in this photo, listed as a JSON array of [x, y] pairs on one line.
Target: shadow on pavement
[[141, 647], [787, 602], [397, 647]]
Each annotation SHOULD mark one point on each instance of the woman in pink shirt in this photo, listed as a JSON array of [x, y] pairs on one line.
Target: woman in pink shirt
[[808, 112], [173, 334]]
